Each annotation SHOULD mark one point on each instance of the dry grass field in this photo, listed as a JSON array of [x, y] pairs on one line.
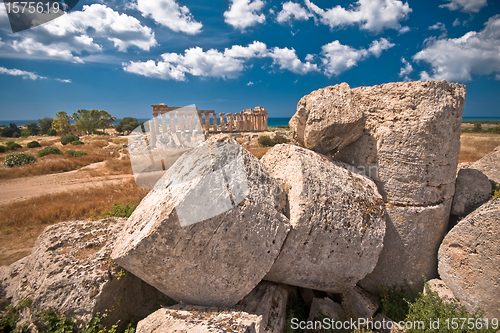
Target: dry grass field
[[473, 146]]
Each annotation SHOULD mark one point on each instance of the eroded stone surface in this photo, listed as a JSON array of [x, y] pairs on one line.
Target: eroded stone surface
[[327, 119], [442, 290], [469, 258], [70, 270], [337, 221], [411, 139], [490, 165], [218, 261], [412, 239], [472, 189]]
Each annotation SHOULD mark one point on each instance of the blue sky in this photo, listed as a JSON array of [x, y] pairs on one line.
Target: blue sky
[[123, 56]]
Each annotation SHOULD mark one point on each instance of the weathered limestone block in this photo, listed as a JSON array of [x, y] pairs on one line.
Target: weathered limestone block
[[186, 318], [70, 270], [327, 119], [411, 139], [490, 165], [337, 221], [325, 308], [357, 303], [472, 189], [469, 258], [439, 287], [261, 311], [217, 261], [412, 239]]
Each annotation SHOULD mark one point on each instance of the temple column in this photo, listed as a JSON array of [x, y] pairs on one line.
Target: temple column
[[222, 122], [171, 117], [207, 121], [214, 117], [229, 122], [164, 123], [152, 132]]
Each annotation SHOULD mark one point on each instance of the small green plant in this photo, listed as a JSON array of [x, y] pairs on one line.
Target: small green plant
[[76, 143], [395, 301], [18, 159], [52, 321], [49, 150], [122, 210], [10, 315], [68, 138], [495, 130], [265, 141], [295, 308], [3, 149], [120, 274], [51, 132], [279, 139], [478, 128], [11, 145], [495, 190], [33, 144], [75, 153], [25, 133]]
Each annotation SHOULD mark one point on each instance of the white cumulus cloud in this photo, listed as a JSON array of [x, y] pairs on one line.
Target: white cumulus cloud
[[338, 58], [372, 15], [244, 13], [468, 6], [293, 11], [212, 63], [18, 72], [406, 70], [456, 59], [82, 31], [170, 14]]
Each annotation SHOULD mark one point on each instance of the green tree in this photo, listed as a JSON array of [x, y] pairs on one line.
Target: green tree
[[62, 122], [8, 132], [86, 121], [33, 128], [127, 124], [45, 125], [105, 120]]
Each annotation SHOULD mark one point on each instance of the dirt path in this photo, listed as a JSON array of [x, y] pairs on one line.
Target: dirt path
[[20, 189]]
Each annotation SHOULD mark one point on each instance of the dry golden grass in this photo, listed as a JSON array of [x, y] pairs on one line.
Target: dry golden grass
[[22, 222], [58, 163], [473, 146], [257, 151]]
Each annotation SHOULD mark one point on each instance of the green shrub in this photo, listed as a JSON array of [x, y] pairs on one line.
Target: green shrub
[[75, 153], [65, 139], [122, 210], [395, 301], [495, 130], [33, 144], [51, 132], [11, 145], [3, 149], [17, 159], [495, 191], [265, 141], [49, 150], [76, 143], [25, 133], [16, 135], [279, 139]]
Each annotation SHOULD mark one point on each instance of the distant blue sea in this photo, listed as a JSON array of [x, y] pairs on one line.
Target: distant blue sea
[[274, 122]]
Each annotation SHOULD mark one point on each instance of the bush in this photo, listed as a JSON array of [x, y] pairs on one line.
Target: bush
[[16, 135], [122, 210], [76, 143], [51, 132], [11, 145], [33, 144], [65, 139], [495, 130], [17, 159], [25, 133], [49, 150], [265, 141], [3, 149], [75, 153]]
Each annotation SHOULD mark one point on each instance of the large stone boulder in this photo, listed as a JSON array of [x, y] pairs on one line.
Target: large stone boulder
[[70, 271], [411, 140], [210, 230], [337, 219], [412, 239], [469, 258], [490, 165], [261, 311], [472, 189], [186, 318], [327, 119]]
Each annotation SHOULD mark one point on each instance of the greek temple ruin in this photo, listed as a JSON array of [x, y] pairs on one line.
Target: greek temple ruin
[[247, 120]]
